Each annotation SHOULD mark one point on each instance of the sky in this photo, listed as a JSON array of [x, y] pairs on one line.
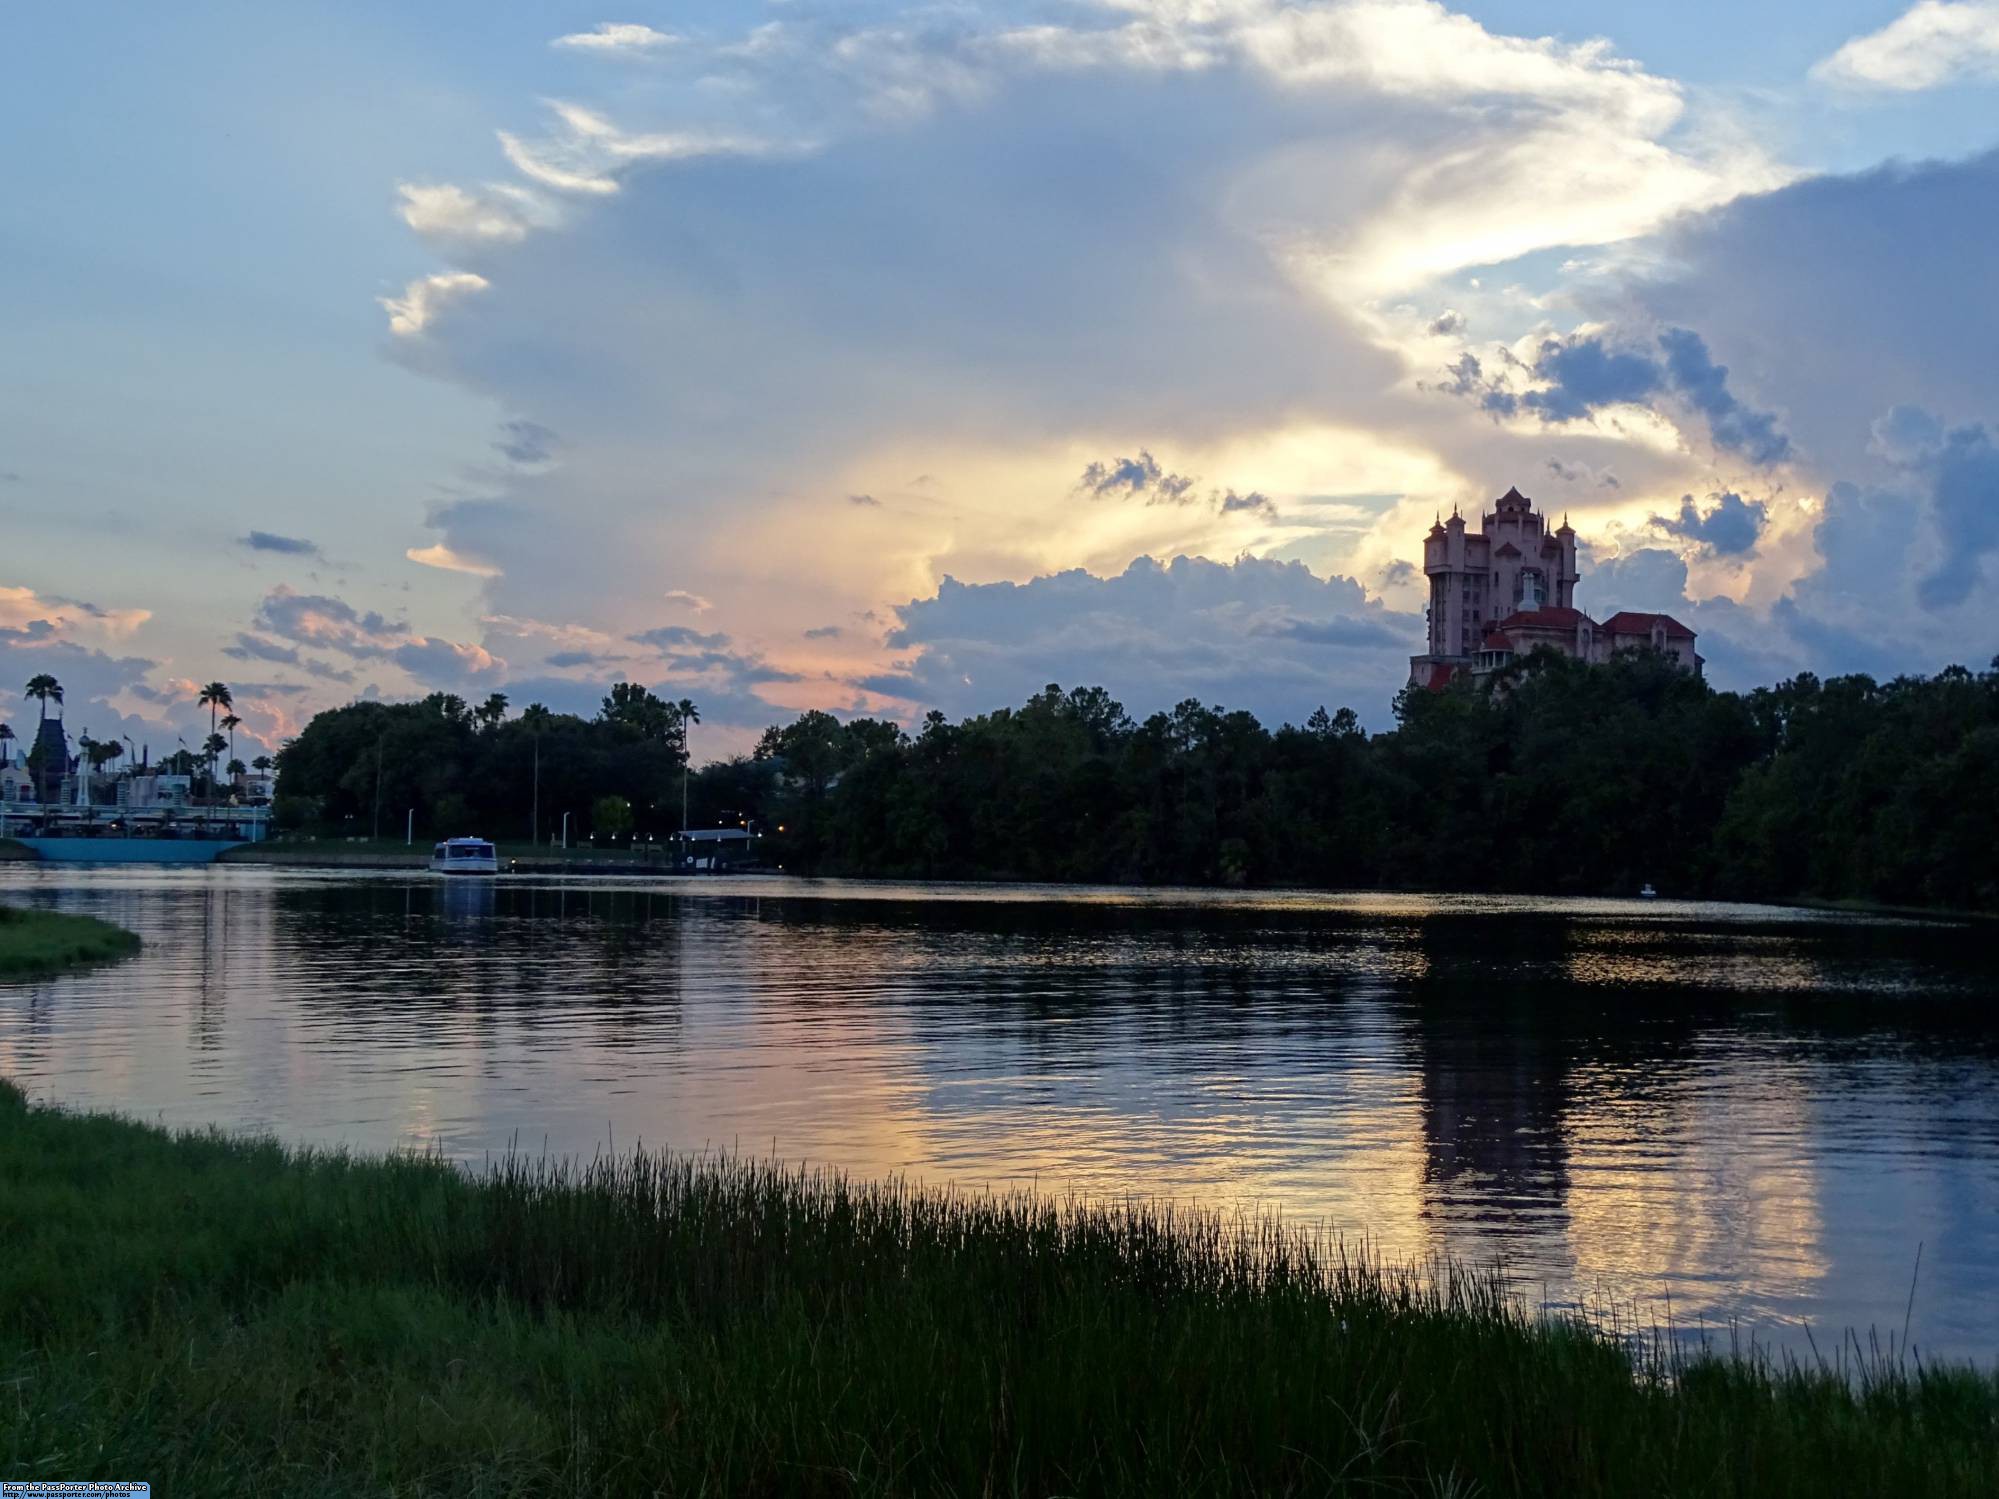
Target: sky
[[885, 358]]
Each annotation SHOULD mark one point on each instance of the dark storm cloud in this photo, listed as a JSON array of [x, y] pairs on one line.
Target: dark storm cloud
[[1730, 527], [1583, 373], [1959, 476], [1139, 477], [1704, 384]]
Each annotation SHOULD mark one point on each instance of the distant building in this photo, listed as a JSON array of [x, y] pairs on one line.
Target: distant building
[[1499, 592]]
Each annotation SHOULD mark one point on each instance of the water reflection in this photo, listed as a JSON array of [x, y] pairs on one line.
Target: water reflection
[[1746, 1114]]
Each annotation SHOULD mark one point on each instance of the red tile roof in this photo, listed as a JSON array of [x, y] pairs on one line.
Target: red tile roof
[[1494, 641], [1440, 676], [1550, 617], [1631, 622]]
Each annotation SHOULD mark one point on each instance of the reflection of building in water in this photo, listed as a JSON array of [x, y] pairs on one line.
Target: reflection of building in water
[[1495, 1092], [1588, 1110]]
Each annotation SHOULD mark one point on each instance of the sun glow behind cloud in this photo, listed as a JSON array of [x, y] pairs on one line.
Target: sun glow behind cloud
[[780, 325]]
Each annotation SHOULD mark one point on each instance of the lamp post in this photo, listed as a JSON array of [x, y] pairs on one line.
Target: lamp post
[[565, 830]]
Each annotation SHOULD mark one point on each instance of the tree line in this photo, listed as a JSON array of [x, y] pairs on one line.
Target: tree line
[[1553, 775]]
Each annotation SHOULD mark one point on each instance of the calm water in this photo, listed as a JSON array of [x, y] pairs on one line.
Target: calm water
[[1732, 1115]]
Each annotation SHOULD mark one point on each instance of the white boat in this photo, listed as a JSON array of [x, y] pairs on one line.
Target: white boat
[[1648, 893], [464, 856]]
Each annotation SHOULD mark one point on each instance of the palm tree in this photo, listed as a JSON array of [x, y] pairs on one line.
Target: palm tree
[[536, 718], [490, 712], [214, 697], [45, 687], [689, 714], [213, 746], [6, 734], [238, 768], [230, 722]]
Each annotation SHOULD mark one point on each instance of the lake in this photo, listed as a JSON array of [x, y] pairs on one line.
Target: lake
[[1733, 1117]]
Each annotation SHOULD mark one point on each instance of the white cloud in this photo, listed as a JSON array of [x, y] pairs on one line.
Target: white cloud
[[609, 38], [553, 165], [1933, 42], [935, 245], [501, 212], [30, 617], [441, 556], [422, 300]]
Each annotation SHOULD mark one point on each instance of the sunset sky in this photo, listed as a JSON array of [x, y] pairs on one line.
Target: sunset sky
[[886, 357]]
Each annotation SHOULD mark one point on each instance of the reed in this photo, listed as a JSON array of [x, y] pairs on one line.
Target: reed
[[40, 942], [223, 1316]]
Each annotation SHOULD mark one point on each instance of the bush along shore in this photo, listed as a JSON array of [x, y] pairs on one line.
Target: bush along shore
[[41, 942], [225, 1317]]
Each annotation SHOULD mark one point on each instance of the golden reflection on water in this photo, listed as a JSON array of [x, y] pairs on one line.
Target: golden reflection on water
[[1642, 1104]]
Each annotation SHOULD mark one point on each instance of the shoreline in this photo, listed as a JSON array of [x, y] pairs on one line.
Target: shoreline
[[652, 1323], [574, 862]]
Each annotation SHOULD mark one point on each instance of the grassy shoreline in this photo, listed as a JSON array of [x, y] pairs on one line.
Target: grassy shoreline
[[33, 943], [225, 1317]]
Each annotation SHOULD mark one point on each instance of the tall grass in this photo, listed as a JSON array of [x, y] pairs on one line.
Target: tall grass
[[225, 1317], [37, 942]]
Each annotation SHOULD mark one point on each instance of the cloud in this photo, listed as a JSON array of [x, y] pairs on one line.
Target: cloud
[[425, 298], [1253, 503], [1933, 42], [497, 213], [1704, 384], [1586, 372], [825, 632], [256, 648], [523, 441], [688, 600], [1143, 478], [1140, 476], [677, 637], [1845, 295], [1730, 527], [436, 662], [445, 559], [290, 546], [941, 242], [1957, 471], [1584, 375], [54, 618], [1743, 648], [329, 623], [325, 672], [325, 621], [1268, 636], [566, 660], [617, 38], [1582, 473]]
